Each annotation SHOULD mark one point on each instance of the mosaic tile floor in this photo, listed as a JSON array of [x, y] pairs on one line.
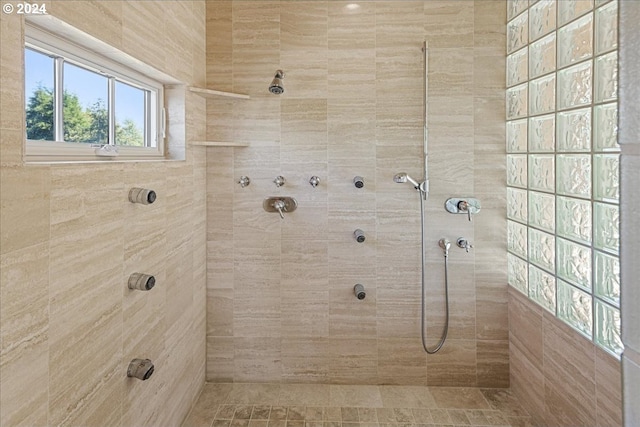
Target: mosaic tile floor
[[319, 405]]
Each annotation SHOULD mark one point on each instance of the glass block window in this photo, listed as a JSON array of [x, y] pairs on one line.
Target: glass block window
[[563, 161]]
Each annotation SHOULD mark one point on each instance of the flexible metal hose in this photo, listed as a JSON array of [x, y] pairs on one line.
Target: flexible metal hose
[[445, 330]]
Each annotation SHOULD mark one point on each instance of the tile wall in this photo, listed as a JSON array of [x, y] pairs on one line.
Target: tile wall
[[559, 376], [279, 292], [69, 239]]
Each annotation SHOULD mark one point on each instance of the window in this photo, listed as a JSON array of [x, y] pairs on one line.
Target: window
[[77, 102], [563, 162]]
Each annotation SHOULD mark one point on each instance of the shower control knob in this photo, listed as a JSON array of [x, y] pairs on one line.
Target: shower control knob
[[358, 181], [359, 235], [244, 181], [464, 244], [279, 181], [314, 181]]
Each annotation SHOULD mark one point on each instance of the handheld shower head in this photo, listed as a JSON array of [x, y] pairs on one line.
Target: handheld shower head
[[403, 177], [276, 86]]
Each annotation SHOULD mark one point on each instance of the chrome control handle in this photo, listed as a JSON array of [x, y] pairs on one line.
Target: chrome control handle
[[463, 205], [244, 181], [314, 181], [464, 244], [280, 204]]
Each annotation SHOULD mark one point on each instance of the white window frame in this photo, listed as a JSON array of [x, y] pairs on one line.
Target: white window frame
[[50, 44]]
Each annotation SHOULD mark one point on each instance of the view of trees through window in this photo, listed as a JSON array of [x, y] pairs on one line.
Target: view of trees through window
[[85, 111]]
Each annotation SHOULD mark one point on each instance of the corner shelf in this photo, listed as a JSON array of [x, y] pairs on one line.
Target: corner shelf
[[219, 144], [210, 93]]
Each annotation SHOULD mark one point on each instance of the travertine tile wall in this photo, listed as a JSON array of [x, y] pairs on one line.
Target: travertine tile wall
[[559, 376], [279, 292], [69, 239]]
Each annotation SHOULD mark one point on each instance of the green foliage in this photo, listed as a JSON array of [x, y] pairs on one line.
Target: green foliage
[[86, 125], [129, 134], [40, 115], [99, 127], [76, 121]]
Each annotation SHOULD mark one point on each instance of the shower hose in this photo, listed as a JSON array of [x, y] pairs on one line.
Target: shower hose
[[445, 330]]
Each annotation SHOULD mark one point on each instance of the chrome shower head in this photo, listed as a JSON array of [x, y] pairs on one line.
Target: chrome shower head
[[403, 177], [276, 86]]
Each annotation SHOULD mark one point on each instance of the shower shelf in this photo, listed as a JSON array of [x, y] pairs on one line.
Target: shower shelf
[[210, 93], [219, 144]]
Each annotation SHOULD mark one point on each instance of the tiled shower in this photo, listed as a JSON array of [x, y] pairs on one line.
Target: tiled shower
[[244, 296], [279, 292]]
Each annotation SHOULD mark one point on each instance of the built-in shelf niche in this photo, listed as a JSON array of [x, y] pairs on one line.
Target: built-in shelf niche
[[220, 144], [210, 93]]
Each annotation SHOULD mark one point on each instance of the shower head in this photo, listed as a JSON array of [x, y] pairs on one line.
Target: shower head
[[403, 177], [276, 86]]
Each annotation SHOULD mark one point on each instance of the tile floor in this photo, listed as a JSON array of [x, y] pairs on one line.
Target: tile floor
[[320, 405]]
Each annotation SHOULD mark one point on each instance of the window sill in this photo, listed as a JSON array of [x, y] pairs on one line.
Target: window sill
[[39, 152]]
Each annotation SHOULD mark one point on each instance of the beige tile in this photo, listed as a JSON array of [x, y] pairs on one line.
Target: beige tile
[[81, 196], [304, 122], [569, 375], [22, 227], [102, 19], [220, 303], [305, 313], [201, 415], [257, 359], [24, 356], [437, 17], [351, 74], [440, 416], [450, 72], [352, 361], [492, 313], [11, 70], [86, 276], [399, 26], [527, 383], [309, 395], [493, 363], [351, 31], [488, 20], [350, 317], [608, 389], [504, 401], [408, 397], [454, 364], [256, 394], [401, 361], [458, 398], [11, 147], [257, 314], [220, 363], [525, 326], [355, 396]]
